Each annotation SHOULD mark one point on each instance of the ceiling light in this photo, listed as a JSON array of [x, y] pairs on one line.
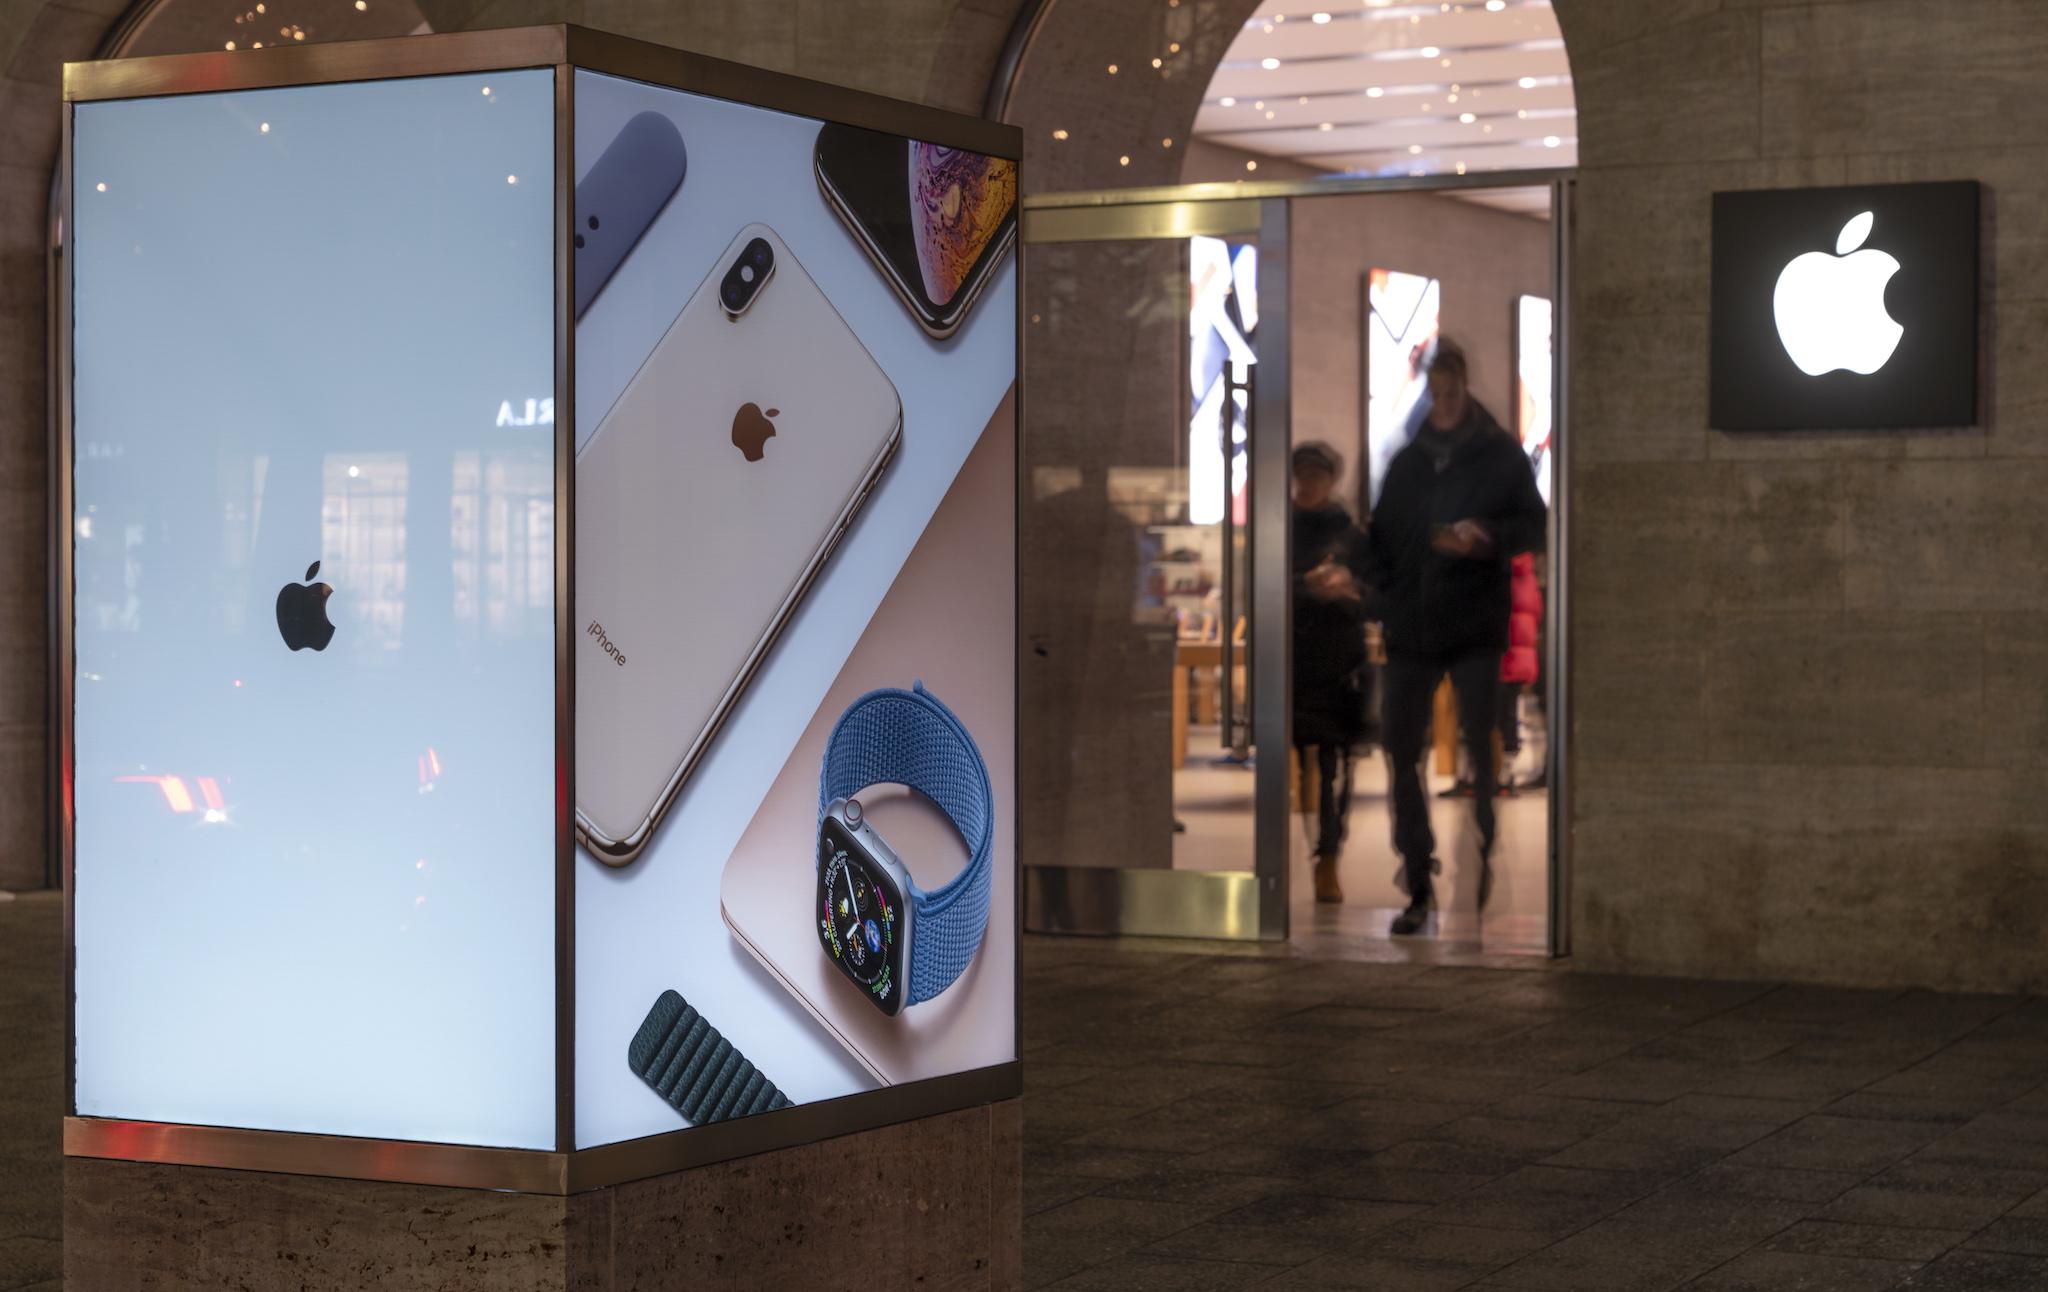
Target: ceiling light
[[1430, 51], [1166, 143], [1494, 6], [1527, 82], [1467, 118], [1443, 62], [1112, 69], [1269, 114], [1374, 92], [1414, 149], [1158, 62], [1302, 99], [1326, 126], [1259, 105], [1319, 18], [1251, 165], [1124, 160], [1269, 63], [1228, 102], [1461, 168], [264, 128], [511, 179], [1059, 134], [1551, 141], [1451, 99], [101, 186], [1173, 48]]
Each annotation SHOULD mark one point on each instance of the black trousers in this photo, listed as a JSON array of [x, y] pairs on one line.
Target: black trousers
[[1333, 797], [1410, 696]]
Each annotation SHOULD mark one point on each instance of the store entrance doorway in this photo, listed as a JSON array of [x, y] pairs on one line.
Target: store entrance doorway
[[1180, 343]]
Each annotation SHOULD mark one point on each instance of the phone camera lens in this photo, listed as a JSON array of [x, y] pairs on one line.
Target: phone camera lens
[[745, 277], [593, 222]]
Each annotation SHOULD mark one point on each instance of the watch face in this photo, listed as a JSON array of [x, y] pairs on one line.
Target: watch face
[[860, 917]]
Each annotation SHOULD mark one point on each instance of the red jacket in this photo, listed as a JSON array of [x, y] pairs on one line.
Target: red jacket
[[1518, 664]]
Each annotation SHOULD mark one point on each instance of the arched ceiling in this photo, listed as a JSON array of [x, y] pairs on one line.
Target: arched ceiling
[[1380, 87]]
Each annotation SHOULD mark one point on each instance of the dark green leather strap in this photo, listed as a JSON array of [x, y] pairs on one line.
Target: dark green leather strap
[[689, 1064]]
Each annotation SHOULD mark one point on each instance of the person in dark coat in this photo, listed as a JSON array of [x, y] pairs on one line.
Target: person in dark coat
[[1329, 648], [1459, 504]]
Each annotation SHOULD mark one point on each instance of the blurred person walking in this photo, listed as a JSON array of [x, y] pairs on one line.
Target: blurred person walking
[[1329, 650], [1459, 504]]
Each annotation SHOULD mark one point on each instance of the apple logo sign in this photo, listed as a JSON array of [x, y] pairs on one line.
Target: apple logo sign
[[751, 430], [1830, 309], [302, 613]]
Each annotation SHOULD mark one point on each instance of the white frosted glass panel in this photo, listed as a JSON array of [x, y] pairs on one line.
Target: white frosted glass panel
[[314, 888]]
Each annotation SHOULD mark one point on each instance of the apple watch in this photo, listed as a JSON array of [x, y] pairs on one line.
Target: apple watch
[[692, 1066], [899, 944]]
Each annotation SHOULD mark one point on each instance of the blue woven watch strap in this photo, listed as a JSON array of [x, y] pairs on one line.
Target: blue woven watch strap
[[909, 738]]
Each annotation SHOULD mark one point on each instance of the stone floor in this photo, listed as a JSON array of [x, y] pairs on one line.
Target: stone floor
[[1201, 1118], [1205, 1122]]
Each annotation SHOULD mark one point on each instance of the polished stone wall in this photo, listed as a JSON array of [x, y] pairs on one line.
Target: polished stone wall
[[1810, 720]]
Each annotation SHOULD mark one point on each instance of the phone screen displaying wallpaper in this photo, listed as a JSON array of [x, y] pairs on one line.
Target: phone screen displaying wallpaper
[[933, 213]]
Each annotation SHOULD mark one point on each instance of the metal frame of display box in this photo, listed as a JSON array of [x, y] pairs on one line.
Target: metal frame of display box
[[564, 49]]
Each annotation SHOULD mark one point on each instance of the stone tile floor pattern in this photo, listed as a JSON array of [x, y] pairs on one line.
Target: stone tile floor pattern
[[1209, 1118], [1212, 1122]]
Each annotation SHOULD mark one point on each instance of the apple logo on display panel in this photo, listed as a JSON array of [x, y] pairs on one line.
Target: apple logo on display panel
[[302, 613], [1830, 308]]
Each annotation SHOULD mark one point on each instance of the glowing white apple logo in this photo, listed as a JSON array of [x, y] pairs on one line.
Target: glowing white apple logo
[[1830, 309]]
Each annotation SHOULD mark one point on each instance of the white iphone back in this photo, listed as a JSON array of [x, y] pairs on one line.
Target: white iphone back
[[690, 554]]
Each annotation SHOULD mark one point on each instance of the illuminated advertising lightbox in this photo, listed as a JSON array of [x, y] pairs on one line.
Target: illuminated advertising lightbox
[[1845, 308], [1401, 328], [401, 414], [1533, 416]]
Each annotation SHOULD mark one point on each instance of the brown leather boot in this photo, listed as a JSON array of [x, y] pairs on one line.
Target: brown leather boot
[[1327, 888]]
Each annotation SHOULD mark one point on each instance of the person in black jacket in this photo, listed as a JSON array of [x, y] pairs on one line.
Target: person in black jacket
[[1329, 648], [1459, 503]]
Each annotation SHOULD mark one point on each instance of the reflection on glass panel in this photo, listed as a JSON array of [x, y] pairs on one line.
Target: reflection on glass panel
[[502, 542], [362, 526], [1138, 361]]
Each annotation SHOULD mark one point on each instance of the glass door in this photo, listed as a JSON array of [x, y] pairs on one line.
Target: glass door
[[1140, 778]]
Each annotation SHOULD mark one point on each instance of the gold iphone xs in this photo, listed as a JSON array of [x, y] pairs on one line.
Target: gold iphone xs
[[708, 501]]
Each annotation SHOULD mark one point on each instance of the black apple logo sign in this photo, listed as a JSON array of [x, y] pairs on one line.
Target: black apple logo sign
[[302, 613], [751, 430]]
